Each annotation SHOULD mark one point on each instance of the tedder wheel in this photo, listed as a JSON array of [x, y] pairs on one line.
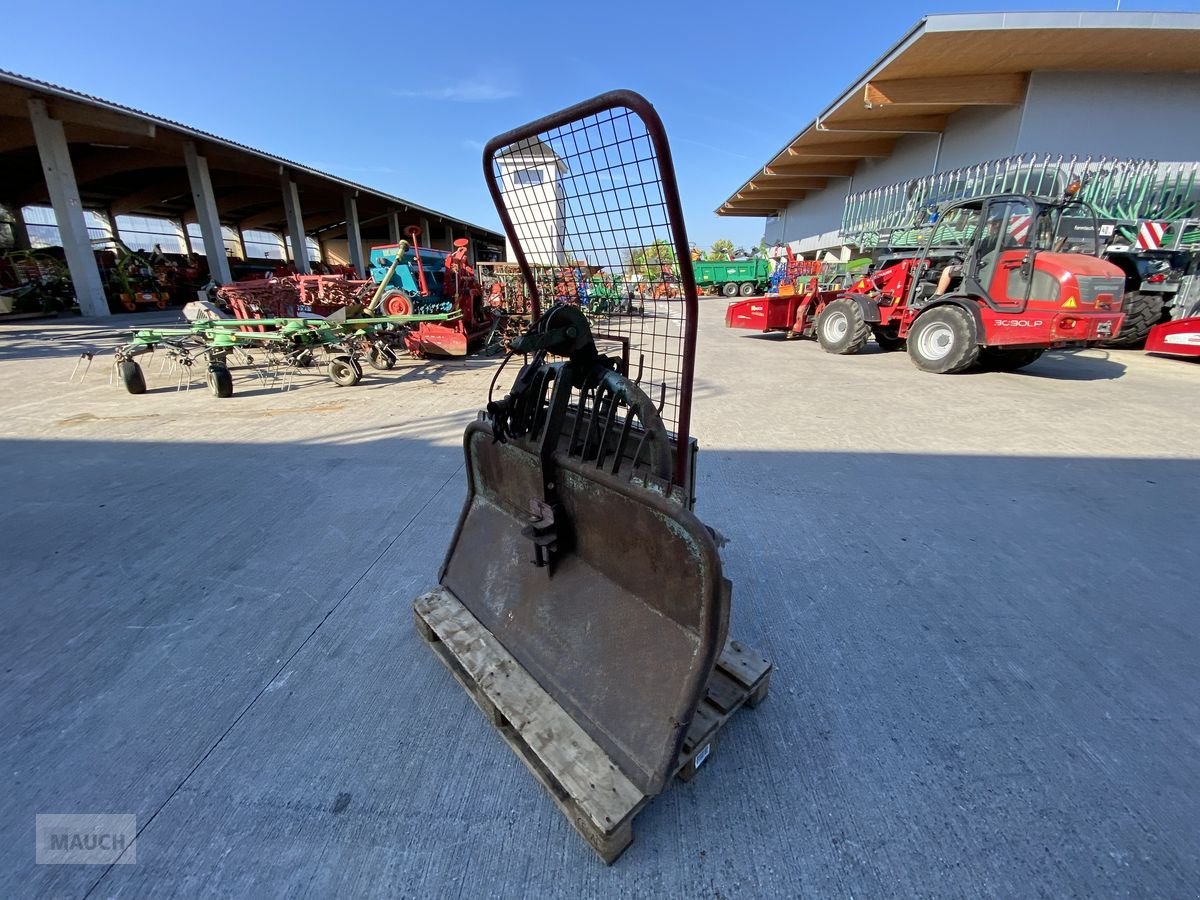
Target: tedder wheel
[[747, 288], [381, 358], [729, 289], [343, 371], [220, 381], [132, 377], [998, 359], [943, 340], [841, 327], [886, 340], [1142, 312]]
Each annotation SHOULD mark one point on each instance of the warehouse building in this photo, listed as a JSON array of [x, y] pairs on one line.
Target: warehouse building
[[80, 173], [957, 90]]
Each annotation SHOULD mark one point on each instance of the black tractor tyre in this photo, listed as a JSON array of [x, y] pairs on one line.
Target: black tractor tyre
[[887, 342], [132, 376], [220, 380], [1142, 312], [729, 289], [943, 341], [999, 359], [343, 372], [747, 289], [841, 327], [381, 358]]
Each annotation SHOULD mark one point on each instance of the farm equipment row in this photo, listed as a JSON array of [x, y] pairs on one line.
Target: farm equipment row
[[996, 282], [1146, 214], [335, 346]]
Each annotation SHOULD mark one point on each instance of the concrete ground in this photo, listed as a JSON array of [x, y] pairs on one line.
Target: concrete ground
[[979, 591]]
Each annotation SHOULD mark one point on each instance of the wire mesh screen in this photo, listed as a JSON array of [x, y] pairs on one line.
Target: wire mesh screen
[[588, 198]]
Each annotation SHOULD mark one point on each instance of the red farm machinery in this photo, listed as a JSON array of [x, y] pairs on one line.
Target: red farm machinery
[[413, 280], [994, 280]]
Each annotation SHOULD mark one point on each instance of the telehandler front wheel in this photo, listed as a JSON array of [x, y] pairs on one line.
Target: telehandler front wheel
[[943, 340]]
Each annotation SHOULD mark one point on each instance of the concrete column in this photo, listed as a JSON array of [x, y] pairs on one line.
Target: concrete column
[[68, 210], [206, 214], [20, 229], [395, 232], [426, 234], [295, 223], [354, 244]]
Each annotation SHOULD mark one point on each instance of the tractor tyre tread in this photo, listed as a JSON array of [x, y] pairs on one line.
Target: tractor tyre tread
[[1142, 312], [857, 331], [963, 354]]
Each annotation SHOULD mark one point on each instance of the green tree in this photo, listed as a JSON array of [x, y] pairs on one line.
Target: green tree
[[721, 248], [650, 259]]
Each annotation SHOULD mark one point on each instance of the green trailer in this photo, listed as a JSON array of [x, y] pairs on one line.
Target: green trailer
[[732, 277]]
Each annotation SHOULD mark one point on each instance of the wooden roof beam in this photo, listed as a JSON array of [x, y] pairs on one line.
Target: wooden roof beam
[[273, 216], [148, 197], [963, 90], [894, 125], [822, 169], [790, 182], [15, 134], [878, 148], [728, 210], [779, 194]]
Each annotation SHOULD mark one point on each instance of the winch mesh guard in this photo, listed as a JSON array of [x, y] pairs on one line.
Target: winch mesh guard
[[581, 602], [588, 199]]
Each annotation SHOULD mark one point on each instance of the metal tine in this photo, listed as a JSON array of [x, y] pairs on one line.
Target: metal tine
[[87, 354], [613, 406], [580, 409], [592, 422], [626, 426], [637, 453], [641, 361], [547, 385], [662, 398]]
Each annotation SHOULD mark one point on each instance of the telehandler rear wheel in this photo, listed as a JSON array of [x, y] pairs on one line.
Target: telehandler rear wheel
[[841, 327], [943, 340]]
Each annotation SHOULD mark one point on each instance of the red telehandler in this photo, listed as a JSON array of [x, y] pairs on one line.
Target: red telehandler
[[998, 281]]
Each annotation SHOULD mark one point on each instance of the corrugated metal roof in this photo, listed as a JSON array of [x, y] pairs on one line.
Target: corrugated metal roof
[[46, 87]]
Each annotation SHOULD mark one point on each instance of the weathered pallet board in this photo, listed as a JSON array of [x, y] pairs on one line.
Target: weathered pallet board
[[595, 796]]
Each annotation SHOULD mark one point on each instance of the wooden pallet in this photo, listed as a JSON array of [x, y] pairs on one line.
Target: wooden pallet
[[595, 796]]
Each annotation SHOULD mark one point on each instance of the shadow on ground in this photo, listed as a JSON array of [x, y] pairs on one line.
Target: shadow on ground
[[986, 679]]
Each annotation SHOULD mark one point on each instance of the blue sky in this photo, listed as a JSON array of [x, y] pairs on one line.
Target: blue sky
[[402, 96]]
